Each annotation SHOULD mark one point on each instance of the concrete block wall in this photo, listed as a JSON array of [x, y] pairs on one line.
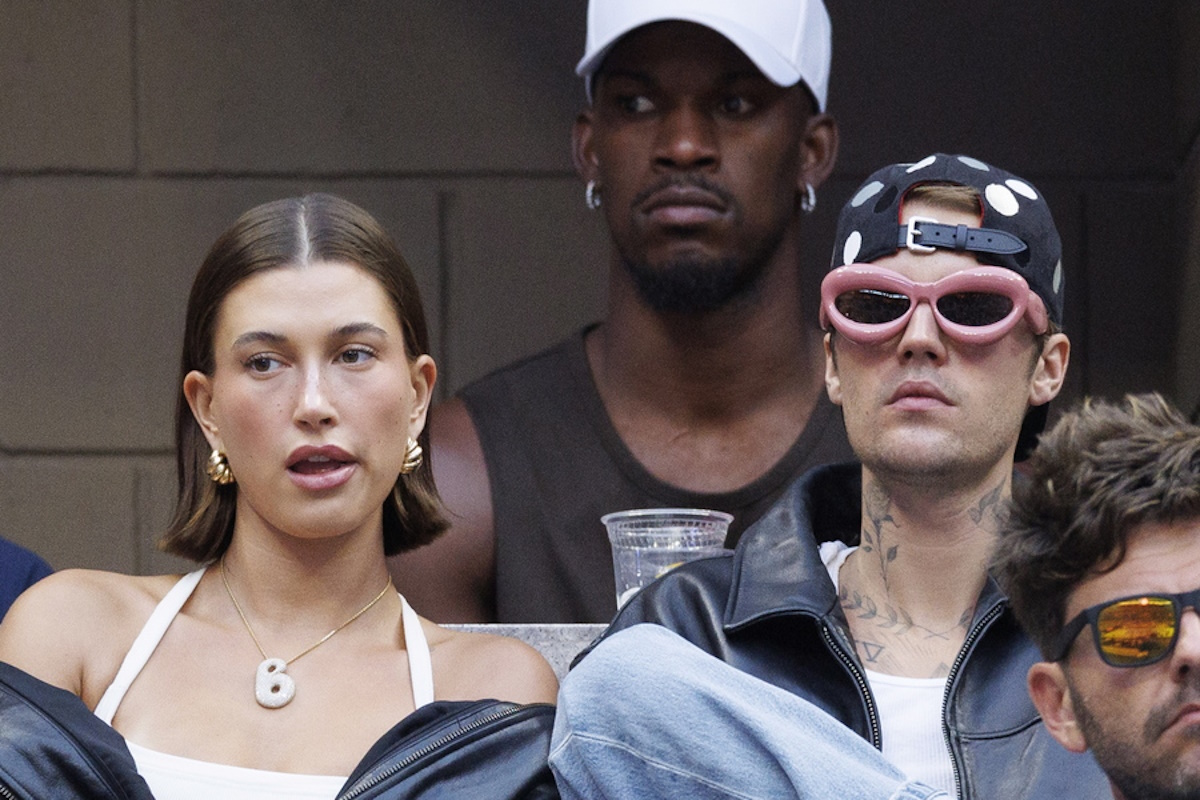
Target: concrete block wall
[[132, 132]]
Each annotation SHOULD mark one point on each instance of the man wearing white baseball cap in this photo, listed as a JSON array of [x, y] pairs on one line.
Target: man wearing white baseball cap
[[703, 144], [788, 42]]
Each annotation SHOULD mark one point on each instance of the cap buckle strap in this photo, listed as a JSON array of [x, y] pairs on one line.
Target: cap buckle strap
[[933, 234], [910, 237], [960, 237]]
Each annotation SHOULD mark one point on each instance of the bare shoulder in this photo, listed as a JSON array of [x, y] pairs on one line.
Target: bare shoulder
[[451, 579], [74, 623], [470, 666]]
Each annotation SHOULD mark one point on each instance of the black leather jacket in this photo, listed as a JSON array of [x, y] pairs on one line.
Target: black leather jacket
[[52, 746], [770, 609]]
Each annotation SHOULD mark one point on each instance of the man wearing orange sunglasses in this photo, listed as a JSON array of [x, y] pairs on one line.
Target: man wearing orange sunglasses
[[864, 592], [1101, 558]]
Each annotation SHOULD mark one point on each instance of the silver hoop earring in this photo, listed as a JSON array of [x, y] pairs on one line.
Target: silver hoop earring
[[591, 195], [808, 200]]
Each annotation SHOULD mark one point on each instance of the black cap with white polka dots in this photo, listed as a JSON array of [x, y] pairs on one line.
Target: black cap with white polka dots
[[1017, 231]]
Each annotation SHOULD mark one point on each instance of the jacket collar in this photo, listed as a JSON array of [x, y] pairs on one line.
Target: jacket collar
[[777, 568]]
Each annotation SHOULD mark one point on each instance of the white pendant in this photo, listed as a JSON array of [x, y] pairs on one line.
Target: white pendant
[[273, 687]]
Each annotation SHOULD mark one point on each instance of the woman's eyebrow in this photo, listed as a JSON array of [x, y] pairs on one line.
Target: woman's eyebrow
[[259, 337], [276, 339], [355, 328]]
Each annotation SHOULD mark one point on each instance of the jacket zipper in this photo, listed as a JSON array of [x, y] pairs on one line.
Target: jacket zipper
[[6, 793], [373, 780], [861, 680], [968, 643]]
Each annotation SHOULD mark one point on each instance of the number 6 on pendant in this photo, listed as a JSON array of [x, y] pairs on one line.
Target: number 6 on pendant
[[273, 687]]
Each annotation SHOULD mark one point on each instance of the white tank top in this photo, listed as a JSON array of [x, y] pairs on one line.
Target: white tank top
[[173, 777], [910, 709]]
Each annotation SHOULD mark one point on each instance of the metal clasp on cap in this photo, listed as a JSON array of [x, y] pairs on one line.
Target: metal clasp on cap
[[913, 233]]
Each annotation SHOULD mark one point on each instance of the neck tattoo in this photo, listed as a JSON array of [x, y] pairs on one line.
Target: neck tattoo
[[273, 687]]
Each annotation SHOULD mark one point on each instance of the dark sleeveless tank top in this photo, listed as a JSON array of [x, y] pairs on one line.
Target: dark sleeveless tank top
[[556, 465]]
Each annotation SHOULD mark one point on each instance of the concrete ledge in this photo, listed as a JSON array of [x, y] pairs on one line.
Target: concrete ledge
[[557, 642]]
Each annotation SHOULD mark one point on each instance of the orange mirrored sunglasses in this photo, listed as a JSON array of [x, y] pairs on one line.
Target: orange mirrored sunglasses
[[1131, 631]]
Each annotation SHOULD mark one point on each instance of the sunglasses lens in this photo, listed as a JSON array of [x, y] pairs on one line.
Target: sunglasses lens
[[871, 306], [1136, 631], [974, 309]]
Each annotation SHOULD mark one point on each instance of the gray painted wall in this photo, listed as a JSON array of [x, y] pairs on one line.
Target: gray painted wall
[[132, 133]]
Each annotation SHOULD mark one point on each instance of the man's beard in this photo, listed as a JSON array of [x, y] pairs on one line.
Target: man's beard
[[692, 286], [1128, 769], [696, 285]]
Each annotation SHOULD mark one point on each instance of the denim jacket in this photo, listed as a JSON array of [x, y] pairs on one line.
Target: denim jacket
[[770, 609]]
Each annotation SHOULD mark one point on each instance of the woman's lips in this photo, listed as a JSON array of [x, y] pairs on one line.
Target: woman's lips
[[320, 468], [316, 464]]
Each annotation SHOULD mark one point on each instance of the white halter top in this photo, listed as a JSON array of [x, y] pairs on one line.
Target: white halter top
[[173, 777]]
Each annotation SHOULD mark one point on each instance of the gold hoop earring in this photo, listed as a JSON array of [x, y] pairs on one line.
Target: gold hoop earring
[[412, 457], [218, 469]]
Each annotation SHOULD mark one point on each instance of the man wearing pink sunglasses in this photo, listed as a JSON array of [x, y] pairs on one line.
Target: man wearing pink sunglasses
[[859, 609]]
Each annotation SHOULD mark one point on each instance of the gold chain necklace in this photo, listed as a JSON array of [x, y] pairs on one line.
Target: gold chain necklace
[[273, 687]]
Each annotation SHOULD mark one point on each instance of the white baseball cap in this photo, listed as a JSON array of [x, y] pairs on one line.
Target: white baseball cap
[[788, 40]]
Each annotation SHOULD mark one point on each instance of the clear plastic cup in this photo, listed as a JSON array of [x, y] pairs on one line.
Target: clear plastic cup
[[647, 542]]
